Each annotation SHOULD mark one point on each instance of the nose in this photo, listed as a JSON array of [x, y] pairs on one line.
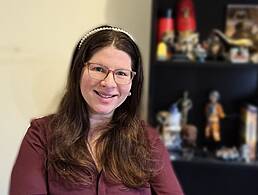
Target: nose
[[109, 81]]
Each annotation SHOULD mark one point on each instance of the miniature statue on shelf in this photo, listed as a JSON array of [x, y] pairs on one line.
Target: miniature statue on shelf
[[189, 135], [170, 129], [215, 48], [165, 35], [219, 45], [200, 53], [185, 46], [187, 38], [186, 104], [163, 122], [185, 18], [162, 51], [214, 112]]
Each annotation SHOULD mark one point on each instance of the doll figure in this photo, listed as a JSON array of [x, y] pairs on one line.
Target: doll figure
[[186, 105], [214, 112]]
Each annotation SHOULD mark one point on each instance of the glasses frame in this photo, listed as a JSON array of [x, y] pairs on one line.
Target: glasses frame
[[133, 73]]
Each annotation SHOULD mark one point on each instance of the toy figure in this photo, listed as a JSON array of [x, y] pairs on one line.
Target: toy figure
[[170, 128], [165, 36], [162, 51], [215, 48], [200, 53], [163, 122], [186, 105], [185, 18], [214, 113], [189, 136], [186, 45]]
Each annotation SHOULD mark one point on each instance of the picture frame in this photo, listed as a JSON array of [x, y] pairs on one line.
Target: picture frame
[[242, 21]]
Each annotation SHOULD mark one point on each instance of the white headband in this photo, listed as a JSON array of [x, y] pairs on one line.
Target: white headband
[[102, 29]]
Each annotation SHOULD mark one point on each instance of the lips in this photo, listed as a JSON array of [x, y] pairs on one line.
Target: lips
[[104, 95]]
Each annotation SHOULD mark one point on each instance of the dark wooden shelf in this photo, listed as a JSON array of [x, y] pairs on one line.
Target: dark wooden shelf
[[205, 64], [213, 177]]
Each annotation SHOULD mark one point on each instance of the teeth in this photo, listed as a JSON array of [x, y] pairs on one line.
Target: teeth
[[105, 96]]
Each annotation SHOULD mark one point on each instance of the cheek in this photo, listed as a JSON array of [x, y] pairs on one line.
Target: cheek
[[125, 90], [85, 83]]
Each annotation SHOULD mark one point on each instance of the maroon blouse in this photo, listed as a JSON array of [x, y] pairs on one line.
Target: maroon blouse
[[30, 177]]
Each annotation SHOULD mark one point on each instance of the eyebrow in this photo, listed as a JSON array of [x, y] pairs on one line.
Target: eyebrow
[[110, 68]]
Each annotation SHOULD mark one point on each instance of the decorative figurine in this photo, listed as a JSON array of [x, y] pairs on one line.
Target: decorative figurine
[[200, 53], [187, 38], [162, 51], [170, 128], [185, 18], [215, 48], [228, 154], [189, 136], [186, 105], [185, 45], [165, 24], [163, 122], [219, 46], [165, 35], [214, 112], [239, 55]]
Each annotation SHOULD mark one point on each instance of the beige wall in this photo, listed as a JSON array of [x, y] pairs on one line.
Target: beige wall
[[36, 42]]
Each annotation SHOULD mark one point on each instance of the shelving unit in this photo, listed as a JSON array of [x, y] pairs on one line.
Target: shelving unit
[[237, 83]]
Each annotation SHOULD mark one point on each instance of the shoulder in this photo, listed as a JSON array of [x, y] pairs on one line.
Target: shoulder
[[38, 130], [41, 122], [150, 131], [153, 137]]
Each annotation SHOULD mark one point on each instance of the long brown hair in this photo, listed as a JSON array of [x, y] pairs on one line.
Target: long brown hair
[[123, 150]]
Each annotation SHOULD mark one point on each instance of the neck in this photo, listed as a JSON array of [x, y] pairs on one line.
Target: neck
[[97, 124]]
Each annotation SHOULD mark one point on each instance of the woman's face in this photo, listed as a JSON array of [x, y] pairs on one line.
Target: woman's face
[[104, 96]]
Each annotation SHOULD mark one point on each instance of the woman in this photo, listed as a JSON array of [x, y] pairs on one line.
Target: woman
[[95, 143]]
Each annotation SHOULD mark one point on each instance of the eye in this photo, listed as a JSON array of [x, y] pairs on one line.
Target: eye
[[125, 73], [97, 68]]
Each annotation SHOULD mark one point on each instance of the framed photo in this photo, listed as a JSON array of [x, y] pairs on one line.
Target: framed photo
[[242, 21]]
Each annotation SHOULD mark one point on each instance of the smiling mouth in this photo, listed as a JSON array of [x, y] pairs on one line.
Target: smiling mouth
[[102, 95]]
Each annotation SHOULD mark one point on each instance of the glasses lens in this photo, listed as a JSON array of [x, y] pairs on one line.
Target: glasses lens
[[123, 76], [100, 72], [97, 71]]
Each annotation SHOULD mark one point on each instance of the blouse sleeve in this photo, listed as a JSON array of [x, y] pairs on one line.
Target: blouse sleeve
[[28, 175], [165, 181]]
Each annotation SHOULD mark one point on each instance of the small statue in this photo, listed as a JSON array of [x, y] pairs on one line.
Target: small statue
[[185, 45], [170, 127], [163, 121], [186, 105], [200, 53], [214, 112], [189, 136]]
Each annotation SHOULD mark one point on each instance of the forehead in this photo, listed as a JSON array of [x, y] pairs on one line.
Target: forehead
[[112, 58]]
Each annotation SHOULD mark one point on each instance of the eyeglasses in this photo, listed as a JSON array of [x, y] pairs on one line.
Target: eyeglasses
[[100, 72]]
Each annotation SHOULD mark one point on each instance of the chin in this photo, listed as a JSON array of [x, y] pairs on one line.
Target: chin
[[103, 111]]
